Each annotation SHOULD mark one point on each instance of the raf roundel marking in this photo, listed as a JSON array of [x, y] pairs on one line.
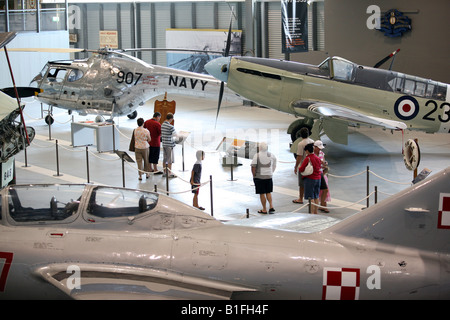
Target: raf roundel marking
[[406, 108]]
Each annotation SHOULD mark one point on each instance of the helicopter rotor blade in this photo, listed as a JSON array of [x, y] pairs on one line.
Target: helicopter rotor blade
[[56, 50]]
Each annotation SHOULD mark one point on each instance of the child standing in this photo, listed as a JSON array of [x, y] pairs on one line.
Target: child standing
[[196, 176]]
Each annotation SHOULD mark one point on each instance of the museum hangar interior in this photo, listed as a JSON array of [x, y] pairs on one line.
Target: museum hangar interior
[[372, 158], [393, 59]]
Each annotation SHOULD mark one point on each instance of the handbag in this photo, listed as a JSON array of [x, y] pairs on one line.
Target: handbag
[[309, 169], [132, 148]]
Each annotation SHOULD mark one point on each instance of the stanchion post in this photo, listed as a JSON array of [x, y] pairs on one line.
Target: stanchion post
[[247, 213], [87, 164], [309, 205], [123, 169], [367, 186], [26, 156], [156, 188], [114, 142], [50, 130], [376, 194], [211, 195], [167, 179], [57, 160], [182, 156]]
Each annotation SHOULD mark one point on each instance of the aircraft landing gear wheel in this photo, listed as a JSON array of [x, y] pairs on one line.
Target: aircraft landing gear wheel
[[132, 115], [49, 120], [295, 134]]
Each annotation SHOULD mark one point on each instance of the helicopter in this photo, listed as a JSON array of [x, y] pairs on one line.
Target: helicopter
[[114, 83]]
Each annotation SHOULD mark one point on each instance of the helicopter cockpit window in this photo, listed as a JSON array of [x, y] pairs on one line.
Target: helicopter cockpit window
[[342, 69], [75, 75], [56, 74], [44, 203], [107, 202]]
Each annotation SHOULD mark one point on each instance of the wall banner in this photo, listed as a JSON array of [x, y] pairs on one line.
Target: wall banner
[[294, 25]]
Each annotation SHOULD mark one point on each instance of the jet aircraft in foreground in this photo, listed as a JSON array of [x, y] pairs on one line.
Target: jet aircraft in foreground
[[89, 242], [337, 93]]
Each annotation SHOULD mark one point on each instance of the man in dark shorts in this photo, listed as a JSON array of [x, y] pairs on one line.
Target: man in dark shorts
[[154, 126], [263, 165]]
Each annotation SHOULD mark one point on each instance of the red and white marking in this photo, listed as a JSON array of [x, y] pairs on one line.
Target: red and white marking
[[341, 284], [406, 108], [444, 211]]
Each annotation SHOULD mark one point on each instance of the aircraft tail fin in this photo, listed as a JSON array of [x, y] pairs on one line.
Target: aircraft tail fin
[[418, 217]]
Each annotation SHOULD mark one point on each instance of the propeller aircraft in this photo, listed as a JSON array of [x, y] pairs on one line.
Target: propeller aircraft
[[337, 93], [101, 242]]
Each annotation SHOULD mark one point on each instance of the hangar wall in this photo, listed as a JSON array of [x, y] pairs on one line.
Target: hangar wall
[[424, 50], [26, 65]]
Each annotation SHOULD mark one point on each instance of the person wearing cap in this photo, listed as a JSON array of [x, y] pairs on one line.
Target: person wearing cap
[[318, 146]]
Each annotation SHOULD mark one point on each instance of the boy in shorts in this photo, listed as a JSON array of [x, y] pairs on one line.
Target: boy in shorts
[[196, 176]]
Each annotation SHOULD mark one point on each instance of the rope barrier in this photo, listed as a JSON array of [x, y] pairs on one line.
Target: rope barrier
[[52, 143], [378, 176]]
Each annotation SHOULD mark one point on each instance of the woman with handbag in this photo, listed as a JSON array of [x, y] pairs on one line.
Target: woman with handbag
[[310, 170]]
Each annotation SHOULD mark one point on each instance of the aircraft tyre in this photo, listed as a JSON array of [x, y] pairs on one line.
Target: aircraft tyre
[[49, 120], [296, 126], [132, 115]]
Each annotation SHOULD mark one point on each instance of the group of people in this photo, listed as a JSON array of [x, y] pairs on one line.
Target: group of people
[[310, 167], [148, 137]]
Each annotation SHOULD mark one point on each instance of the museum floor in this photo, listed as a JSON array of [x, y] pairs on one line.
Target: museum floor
[[368, 147]]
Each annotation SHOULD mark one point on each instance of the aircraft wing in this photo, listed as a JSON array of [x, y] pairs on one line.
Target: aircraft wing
[[334, 120], [342, 113], [106, 281]]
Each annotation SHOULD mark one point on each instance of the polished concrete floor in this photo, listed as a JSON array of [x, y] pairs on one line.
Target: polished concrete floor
[[232, 192]]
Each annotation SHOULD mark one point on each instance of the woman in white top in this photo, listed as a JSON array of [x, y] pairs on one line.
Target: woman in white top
[[141, 144], [263, 165]]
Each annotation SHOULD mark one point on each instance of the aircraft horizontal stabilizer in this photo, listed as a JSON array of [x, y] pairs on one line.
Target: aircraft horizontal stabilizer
[[103, 281], [417, 217]]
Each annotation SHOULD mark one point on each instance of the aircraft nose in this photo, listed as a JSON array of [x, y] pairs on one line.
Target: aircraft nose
[[218, 68], [36, 79]]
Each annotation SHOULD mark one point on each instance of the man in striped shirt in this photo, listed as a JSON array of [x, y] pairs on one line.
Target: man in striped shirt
[[167, 138]]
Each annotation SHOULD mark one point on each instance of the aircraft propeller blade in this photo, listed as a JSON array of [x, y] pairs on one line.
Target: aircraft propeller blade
[[378, 64], [23, 92], [222, 84]]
